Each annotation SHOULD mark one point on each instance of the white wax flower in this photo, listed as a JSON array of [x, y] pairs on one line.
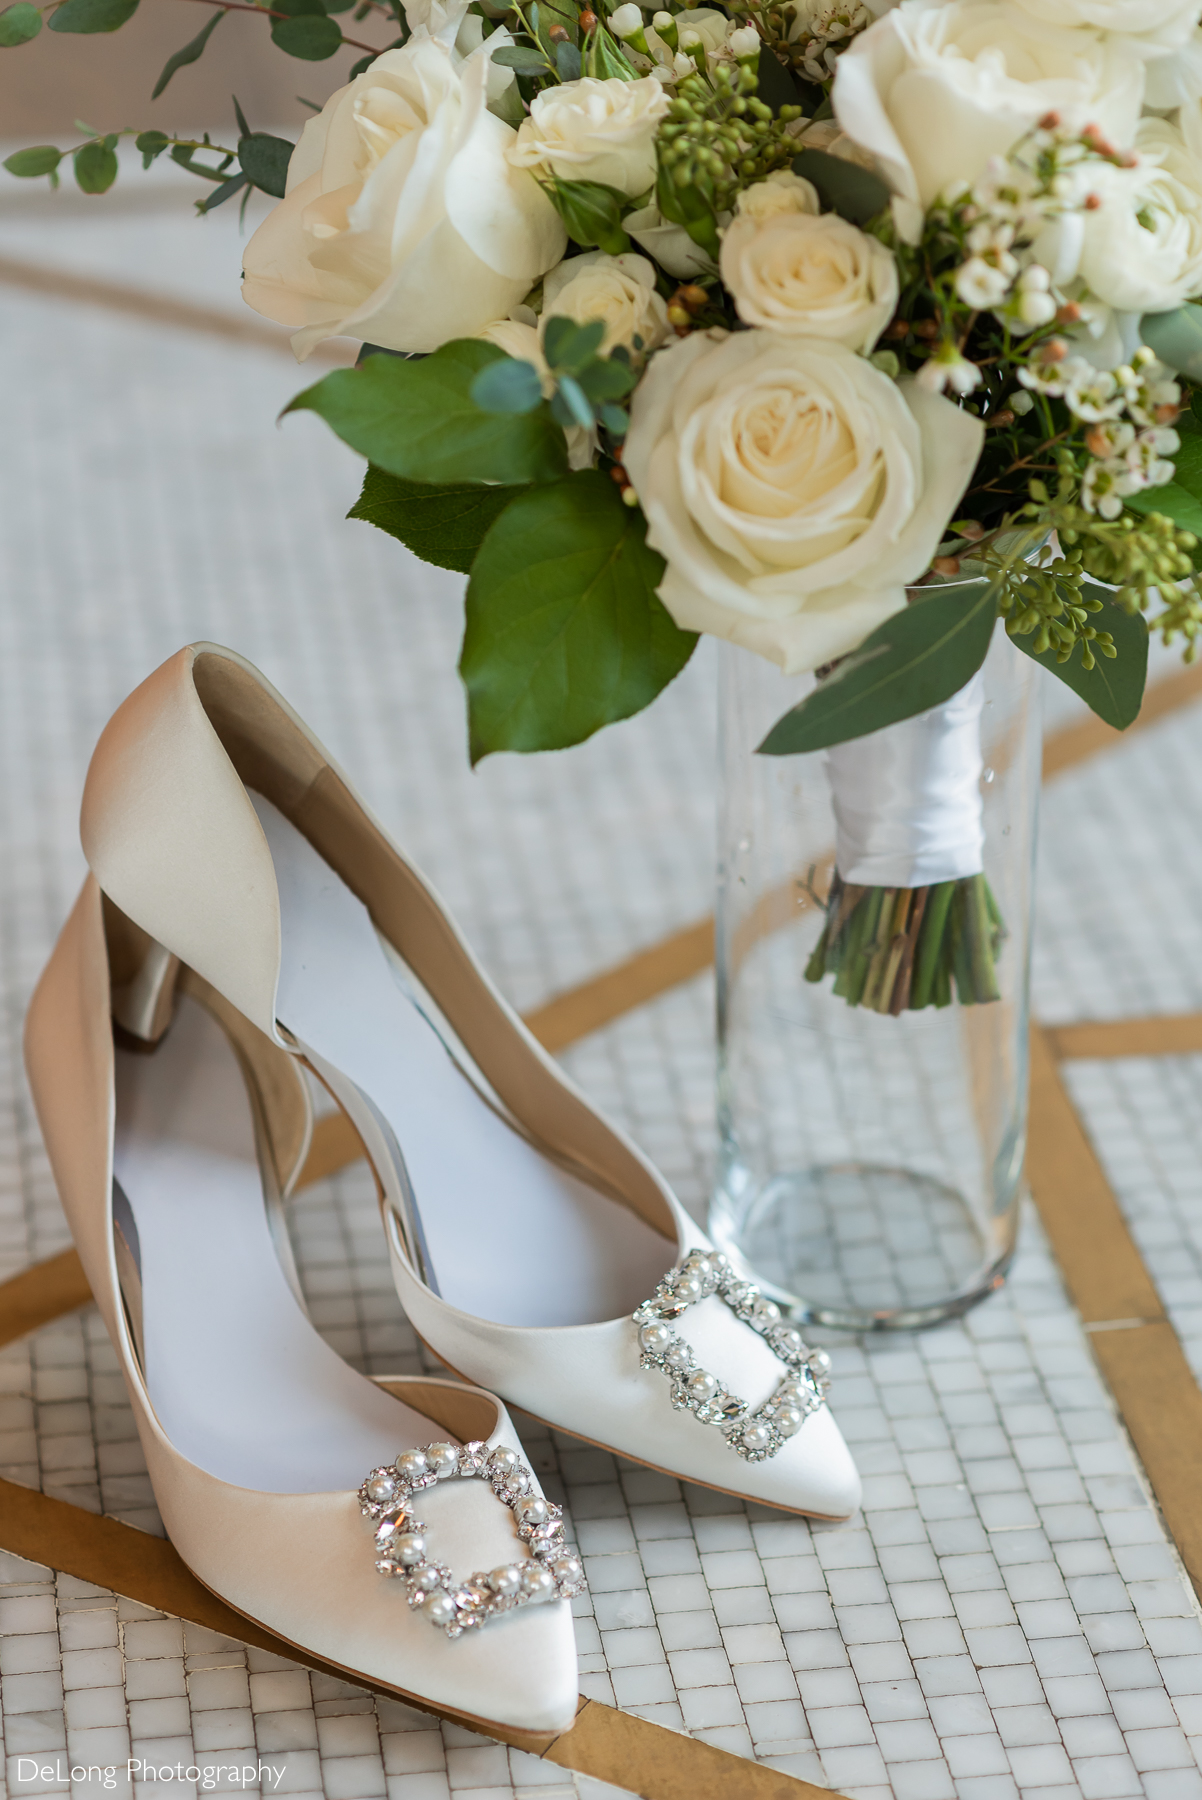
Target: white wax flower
[[704, 25], [937, 87], [619, 290], [1142, 248], [404, 223], [810, 275], [591, 130], [745, 41], [793, 489], [626, 20]]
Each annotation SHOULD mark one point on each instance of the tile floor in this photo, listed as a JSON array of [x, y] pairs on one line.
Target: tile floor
[[1005, 1620]]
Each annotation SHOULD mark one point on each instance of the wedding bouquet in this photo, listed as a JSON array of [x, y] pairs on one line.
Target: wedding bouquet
[[836, 330]]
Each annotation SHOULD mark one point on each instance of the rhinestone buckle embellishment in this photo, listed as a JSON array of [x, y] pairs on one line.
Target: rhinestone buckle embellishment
[[550, 1572], [754, 1434]]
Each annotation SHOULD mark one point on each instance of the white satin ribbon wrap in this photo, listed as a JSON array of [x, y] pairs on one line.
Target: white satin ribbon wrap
[[907, 799]]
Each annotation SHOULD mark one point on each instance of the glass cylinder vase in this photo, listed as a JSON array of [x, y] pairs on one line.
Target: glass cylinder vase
[[871, 1153]]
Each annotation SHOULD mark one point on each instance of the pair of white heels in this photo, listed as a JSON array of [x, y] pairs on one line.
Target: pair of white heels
[[246, 915]]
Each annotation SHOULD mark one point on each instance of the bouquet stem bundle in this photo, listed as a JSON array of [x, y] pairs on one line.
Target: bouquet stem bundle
[[895, 950]]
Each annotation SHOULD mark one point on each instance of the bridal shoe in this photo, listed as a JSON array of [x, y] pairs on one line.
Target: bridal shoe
[[533, 1247], [390, 1528]]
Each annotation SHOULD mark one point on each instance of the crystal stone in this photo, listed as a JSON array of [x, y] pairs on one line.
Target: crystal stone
[[386, 1566], [729, 1405], [473, 1596], [788, 1341], [472, 1457]]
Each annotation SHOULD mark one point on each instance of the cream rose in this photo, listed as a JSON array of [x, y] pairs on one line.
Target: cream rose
[[780, 192], [810, 275], [592, 130], [937, 87], [404, 223], [793, 489], [618, 290], [1142, 248], [1176, 80]]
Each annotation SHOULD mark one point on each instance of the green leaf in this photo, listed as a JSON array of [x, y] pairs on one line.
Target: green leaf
[[522, 57], [18, 24], [691, 208], [264, 160], [417, 419], [567, 62], [569, 347], [565, 632], [93, 15], [1114, 687], [444, 525], [917, 659], [508, 387], [852, 192], [607, 379], [308, 32], [244, 129], [615, 419], [221, 194], [592, 214], [576, 401], [40, 159], [1174, 500], [95, 168], [776, 85], [151, 144], [189, 54], [606, 61]]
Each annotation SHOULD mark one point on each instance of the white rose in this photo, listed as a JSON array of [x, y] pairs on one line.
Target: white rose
[[593, 130], [1151, 26], [793, 489], [1142, 249], [780, 192], [810, 275], [619, 290], [404, 223], [670, 245], [937, 87]]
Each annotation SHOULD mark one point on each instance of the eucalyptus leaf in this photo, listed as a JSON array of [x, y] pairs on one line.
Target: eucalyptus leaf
[[95, 168], [307, 33], [508, 387], [564, 631], [191, 52], [221, 194], [92, 15], [523, 58], [18, 24], [567, 62], [264, 161], [917, 659], [444, 525], [39, 159], [607, 379], [568, 347], [1114, 687], [417, 419], [152, 144], [854, 193]]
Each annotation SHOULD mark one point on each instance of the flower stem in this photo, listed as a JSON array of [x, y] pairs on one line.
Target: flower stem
[[895, 950]]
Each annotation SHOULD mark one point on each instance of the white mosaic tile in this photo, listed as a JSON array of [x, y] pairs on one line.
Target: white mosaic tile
[[1005, 1620]]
